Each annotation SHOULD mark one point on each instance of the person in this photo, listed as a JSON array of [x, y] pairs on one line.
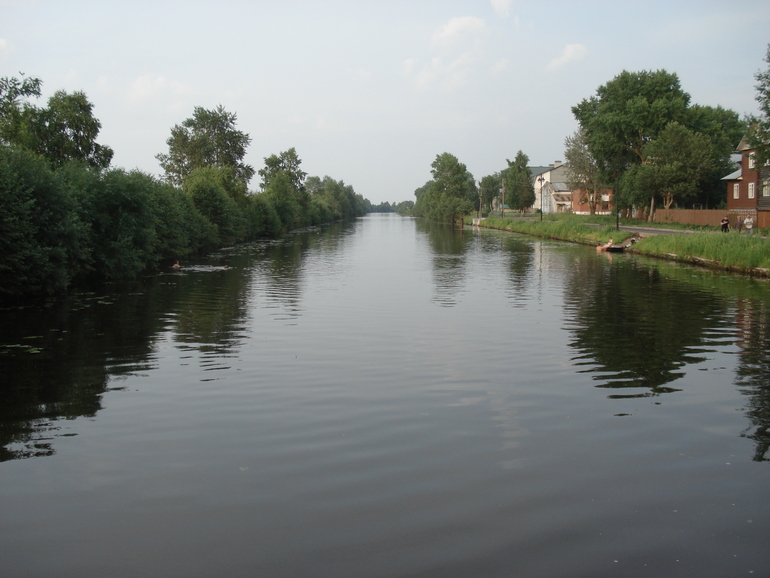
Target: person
[[749, 225], [606, 246], [176, 265], [725, 224], [738, 223]]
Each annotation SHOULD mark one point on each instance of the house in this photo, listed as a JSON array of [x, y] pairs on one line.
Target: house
[[554, 195], [748, 188], [544, 179]]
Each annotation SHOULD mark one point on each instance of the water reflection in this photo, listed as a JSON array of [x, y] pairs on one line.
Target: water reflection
[[753, 372], [449, 260], [633, 329]]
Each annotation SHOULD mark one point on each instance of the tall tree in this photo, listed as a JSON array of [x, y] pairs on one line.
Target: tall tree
[[760, 124], [13, 95], [676, 162], [287, 163], [208, 139], [490, 186], [625, 114], [65, 130], [519, 188], [451, 190], [582, 170]]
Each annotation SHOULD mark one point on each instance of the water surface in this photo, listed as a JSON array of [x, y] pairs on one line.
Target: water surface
[[391, 398]]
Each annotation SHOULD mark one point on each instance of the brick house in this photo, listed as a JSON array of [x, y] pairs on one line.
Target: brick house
[[748, 188]]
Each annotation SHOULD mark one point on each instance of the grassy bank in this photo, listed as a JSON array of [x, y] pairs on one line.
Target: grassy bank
[[562, 229], [731, 252]]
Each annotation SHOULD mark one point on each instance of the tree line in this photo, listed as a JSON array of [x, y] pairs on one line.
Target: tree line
[[68, 217], [639, 136]]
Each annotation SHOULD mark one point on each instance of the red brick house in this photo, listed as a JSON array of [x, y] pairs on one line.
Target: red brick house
[[748, 188]]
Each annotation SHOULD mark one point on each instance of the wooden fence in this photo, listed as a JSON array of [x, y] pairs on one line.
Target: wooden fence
[[709, 217]]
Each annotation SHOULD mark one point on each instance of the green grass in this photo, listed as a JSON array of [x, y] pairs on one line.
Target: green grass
[[709, 247], [563, 229], [742, 252]]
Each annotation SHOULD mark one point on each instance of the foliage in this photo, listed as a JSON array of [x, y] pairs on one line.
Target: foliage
[[760, 125], [207, 187], [632, 111], [517, 182], [583, 171], [490, 187], [13, 95], [451, 192], [43, 245], [676, 162], [286, 163], [65, 130], [208, 139]]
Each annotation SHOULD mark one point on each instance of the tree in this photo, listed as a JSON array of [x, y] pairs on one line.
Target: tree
[[625, 114], [517, 179], [676, 161], [208, 139], [759, 132], [490, 186], [286, 162], [450, 193], [65, 130], [582, 170], [13, 95]]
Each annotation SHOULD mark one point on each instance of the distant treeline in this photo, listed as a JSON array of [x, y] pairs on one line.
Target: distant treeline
[[67, 217]]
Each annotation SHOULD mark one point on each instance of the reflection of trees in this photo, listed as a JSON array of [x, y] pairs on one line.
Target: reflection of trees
[[753, 373], [58, 361], [633, 328], [449, 248], [521, 256]]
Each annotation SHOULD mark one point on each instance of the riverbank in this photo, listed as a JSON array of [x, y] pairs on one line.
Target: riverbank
[[733, 252]]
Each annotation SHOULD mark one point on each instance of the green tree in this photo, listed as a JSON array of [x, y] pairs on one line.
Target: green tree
[[207, 187], [208, 139], [450, 193], [490, 186], [760, 124], [517, 180], [582, 170], [676, 162], [65, 130], [625, 114], [13, 96], [288, 163]]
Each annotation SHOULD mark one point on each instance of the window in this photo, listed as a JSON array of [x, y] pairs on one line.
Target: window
[[736, 191], [766, 190], [751, 190], [752, 161]]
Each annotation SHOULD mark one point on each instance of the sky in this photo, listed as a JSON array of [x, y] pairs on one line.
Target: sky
[[370, 92]]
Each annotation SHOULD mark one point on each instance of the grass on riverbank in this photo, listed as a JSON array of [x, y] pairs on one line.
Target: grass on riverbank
[[563, 229], [734, 252], [742, 252]]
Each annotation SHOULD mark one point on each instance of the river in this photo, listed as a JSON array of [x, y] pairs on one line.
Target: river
[[391, 398]]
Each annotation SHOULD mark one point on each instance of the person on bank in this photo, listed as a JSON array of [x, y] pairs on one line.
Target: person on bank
[[725, 222], [748, 224], [604, 247], [176, 266]]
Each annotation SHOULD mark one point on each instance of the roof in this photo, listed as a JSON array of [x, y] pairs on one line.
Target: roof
[[733, 176]]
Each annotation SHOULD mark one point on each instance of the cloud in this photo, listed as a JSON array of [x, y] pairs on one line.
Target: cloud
[[571, 53], [455, 29], [436, 72], [5, 48], [147, 87], [502, 7]]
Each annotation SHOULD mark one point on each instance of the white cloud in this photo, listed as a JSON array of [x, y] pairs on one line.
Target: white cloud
[[571, 53], [500, 66], [502, 7], [456, 28], [436, 72], [147, 87], [5, 48]]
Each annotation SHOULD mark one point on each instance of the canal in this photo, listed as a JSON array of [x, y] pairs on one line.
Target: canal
[[389, 398]]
